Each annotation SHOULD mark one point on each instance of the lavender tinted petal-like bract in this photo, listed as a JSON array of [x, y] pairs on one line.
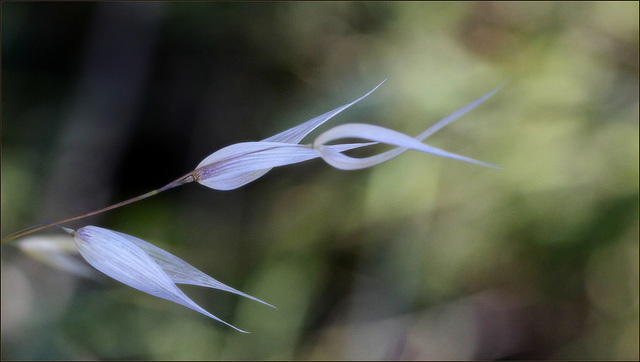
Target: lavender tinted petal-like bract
[[236, 165], [378, 134], [385, 156], [241, 163], [119, 256], [240, 177], [179, 271], [297, 133]]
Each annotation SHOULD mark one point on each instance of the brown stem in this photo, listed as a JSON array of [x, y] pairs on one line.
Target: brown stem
[[181, 181]]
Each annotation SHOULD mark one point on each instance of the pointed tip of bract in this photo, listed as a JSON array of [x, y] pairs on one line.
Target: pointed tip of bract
[[242, 331], [261, 301], [232, 326]]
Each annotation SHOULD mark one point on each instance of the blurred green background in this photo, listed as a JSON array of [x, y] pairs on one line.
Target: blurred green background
[[417, 258]]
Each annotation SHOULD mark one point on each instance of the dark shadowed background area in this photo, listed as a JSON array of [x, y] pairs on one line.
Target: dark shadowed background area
[[417, 258]]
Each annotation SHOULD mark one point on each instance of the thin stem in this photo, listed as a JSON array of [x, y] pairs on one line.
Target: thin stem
[[181, 181]]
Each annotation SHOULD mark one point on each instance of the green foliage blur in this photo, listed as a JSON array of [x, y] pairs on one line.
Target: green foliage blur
[[417, 258]]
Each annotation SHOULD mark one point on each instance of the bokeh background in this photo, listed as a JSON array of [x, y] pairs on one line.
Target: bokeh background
[[417, 258]]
